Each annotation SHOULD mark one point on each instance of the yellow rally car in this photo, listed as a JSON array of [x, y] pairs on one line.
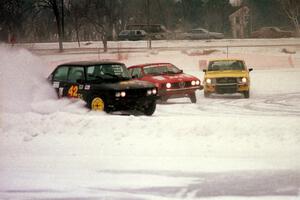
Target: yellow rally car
[[227, 76]]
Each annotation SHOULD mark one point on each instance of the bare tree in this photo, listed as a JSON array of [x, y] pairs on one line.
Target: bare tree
[[54, 6], [292, 10]]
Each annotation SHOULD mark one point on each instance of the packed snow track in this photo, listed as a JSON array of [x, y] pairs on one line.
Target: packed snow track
[[223, 147]]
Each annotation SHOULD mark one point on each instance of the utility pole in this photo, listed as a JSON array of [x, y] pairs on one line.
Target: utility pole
[[62, 21], [148, 24]]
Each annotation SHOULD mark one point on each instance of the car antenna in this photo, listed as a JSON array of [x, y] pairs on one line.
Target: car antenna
[[227, 51]]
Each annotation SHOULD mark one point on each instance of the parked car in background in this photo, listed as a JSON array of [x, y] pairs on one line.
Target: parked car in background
[[170, 81], [227, 76], [155, 31], [201, 33], [132, 35], [104, 86], [271, 32]]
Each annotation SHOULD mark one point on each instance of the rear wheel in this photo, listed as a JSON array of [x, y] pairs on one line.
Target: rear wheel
[[150, 108], [193, 97], [97, 104], [247, 94]]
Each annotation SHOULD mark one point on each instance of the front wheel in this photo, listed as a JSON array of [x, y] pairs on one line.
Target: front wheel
[[247, 94], [97, 104], [206, 94], [193, 97], [150, 108]]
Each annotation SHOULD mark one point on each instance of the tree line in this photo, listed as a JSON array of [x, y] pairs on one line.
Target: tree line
[[85, 20]]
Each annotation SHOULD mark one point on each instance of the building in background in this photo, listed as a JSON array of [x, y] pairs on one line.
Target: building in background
[[239, 21]]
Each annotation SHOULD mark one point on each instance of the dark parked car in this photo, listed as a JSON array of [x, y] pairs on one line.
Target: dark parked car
[[104, 86], [132, 35], [201, 33], [271, 32], [154, 31]]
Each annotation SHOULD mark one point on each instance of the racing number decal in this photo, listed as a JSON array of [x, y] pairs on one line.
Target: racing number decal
[[73, 91]]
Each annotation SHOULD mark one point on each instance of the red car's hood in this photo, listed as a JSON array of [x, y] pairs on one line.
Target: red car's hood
[[169, 78]]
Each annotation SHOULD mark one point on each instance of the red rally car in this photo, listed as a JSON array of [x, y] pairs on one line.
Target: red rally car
[[170, 81]]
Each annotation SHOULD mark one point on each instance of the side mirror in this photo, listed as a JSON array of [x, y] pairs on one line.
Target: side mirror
[[250, 69], [204, 70]]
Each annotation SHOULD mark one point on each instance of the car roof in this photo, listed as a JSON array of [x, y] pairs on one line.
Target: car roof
[[226, 59], [149, 64], [88, 63]]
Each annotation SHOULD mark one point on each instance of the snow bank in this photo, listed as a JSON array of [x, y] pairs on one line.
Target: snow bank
[[22, 80]]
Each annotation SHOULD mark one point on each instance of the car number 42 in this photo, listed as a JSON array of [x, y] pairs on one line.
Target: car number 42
[[72, 92]]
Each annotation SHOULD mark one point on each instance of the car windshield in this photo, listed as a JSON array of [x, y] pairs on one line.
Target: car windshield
[[161, 69], [226, 65], [124, 33], [107, 71]]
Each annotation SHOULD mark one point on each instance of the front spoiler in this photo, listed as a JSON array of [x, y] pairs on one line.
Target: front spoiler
[[124, 104]]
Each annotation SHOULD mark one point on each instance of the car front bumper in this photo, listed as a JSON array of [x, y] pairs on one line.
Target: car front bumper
[[226, 88], [120, 103], [178, 92]]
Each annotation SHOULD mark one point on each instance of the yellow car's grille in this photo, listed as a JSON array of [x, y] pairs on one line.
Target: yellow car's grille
[[226, 80]]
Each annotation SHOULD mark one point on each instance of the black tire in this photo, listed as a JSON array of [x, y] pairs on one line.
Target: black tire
[[163, 99], [193, 97], [206, 94], [247, 94], [150, 108]]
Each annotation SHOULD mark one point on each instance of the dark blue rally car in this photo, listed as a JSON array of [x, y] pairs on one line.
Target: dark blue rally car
[[104, 86]]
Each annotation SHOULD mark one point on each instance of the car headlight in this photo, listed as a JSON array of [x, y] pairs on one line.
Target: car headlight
[[197, 82], [193, 83], [168, 85], [120, 94], [154, 91], [208, 81], [151, 91], [123, 94], [244, 80]]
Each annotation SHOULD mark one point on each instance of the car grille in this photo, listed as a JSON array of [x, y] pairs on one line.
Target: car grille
[[221, 89], [134, 93], [226, 80], [181, 85]]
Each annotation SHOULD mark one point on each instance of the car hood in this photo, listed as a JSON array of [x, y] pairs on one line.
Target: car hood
[[172, 78], [230, 73], [125, 85]]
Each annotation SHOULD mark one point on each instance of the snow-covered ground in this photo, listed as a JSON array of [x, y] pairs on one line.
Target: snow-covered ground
[[224, 147]]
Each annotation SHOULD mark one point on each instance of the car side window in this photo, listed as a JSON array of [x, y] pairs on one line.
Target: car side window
[[75, 74], [136, 72], [61, 74]]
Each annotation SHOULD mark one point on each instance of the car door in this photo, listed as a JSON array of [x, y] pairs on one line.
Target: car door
[[74, 85], [203, 34]]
